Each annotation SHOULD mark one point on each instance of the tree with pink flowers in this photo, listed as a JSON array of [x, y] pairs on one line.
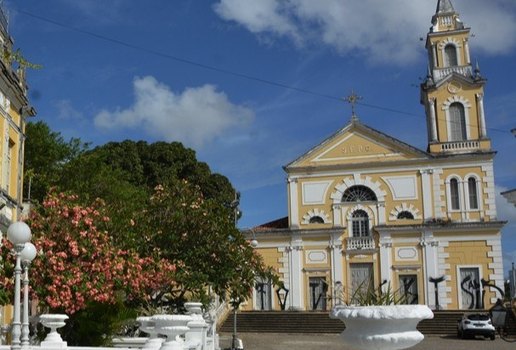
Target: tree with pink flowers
[[79, 270], [78, 263]]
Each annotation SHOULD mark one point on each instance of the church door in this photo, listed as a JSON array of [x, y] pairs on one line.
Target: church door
[[317, 289], [263, 295], [361, 280], [470, 288]]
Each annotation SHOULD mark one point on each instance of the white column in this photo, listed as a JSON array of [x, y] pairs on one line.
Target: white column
[[294, 202], [433, 121], [380, 207], [385, 258], [463, 199], [482, 118], [434, 56], [429, 248], [426, 184], [337, 215], [466, 51], [296, 285], [337, 261], [16, 324]]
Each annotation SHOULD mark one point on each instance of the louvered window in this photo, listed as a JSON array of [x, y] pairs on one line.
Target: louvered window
[[472, 191], [360, 224], [450, 56], [457, 122], [454, 194]]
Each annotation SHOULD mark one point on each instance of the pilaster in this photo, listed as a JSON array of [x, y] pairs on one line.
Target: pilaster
[[433, 120], [385, 258], [294, 202], [297, 287], [337, 215], [426, 184], [337, 263], [481, 115], [429, 246]]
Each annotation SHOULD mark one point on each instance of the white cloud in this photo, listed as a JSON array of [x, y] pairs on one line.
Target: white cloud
[[381, 31], [259, 16], [196, 116], [506, 211], [66, 111], [97, 11]]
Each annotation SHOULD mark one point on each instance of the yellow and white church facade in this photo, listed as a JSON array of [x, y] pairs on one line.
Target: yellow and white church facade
[[366, 208]]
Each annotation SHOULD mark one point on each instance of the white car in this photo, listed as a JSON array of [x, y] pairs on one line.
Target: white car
[[473, 324]]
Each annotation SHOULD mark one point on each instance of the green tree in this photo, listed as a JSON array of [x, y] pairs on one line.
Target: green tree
[[46, 153], [199, 236], [163, 203]]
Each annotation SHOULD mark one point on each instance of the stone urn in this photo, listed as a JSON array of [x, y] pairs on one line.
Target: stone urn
[[386, 327], [173, 326], [53, 321], [196, 337], [148, 326], [193, 308]]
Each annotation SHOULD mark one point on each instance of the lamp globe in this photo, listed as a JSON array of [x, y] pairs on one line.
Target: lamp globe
[[29, 252], [19, 233]]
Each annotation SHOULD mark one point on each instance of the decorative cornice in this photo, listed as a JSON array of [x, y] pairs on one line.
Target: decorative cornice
[[406, 267], [434, 160], [445, 226]]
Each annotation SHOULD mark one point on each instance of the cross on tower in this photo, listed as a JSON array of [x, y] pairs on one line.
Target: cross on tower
[[353, 100]]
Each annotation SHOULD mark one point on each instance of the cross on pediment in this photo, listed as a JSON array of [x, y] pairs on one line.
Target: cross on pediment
[[353, 100]]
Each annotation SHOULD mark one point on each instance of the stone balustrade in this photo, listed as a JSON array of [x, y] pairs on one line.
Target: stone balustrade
[[183, 332], [441, 73], [364, 243], [460, 146]]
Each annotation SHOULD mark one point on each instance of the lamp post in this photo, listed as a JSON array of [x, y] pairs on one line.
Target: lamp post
[[19, 234], [27, 255]]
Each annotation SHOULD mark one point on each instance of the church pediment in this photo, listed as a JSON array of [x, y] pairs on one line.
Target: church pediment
[[357, 143]]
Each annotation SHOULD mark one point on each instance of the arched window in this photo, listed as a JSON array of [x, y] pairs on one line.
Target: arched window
[[454, 194], [472, 192], [316, 220], [405, 215], [358, 193], [360, 223], [450, 56], [457, 122]]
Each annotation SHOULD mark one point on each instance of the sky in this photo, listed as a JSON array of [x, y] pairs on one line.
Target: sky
[[251, 85]]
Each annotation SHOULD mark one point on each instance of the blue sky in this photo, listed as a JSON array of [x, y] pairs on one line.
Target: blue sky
[[211, 74]]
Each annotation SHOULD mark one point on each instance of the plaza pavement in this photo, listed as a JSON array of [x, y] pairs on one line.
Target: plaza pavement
[[276, 341]]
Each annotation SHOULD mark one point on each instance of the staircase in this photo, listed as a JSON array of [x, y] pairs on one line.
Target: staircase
[[443, 323]]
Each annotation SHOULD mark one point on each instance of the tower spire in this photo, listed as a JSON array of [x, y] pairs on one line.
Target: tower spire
[[446, 18], [444, 6]]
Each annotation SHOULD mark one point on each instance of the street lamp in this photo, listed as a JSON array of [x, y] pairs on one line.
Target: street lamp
[[19, 234], [27, 255], [253, 242]]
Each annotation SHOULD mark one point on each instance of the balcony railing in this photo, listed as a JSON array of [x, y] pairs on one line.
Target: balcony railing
[[460, 146], [444, 72], [360, 243]]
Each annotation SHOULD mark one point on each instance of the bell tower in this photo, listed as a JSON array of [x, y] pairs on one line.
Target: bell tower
[[453, 91]]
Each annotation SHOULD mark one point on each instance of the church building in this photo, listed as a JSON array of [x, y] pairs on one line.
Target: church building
[[366, 210]]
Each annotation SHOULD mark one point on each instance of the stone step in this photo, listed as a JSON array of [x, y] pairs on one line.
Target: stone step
[[443, 323]]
